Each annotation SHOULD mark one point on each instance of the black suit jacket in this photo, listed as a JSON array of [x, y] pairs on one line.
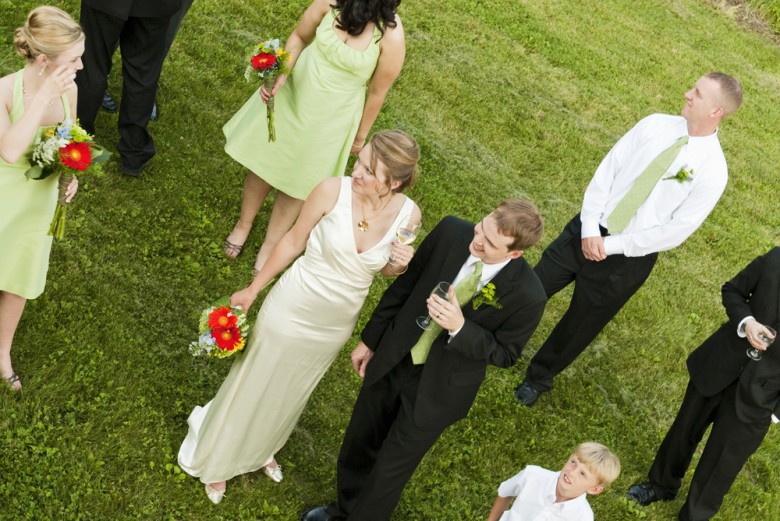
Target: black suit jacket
[[721, 359], [138, 8], [454, 370]]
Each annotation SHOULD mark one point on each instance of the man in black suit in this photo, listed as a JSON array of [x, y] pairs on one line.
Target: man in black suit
[[738, 396], [405, 404], [139, 27]]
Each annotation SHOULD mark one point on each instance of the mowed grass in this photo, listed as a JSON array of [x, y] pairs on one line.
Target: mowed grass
[[507, 98]]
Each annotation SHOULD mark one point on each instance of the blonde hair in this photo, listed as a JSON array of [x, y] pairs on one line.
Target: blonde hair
[[601, 462], [48, 31], [399, 152], [730, 91], [521, 220]]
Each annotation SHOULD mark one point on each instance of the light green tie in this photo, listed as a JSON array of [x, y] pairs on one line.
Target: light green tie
[[464, 291], [644, 184]]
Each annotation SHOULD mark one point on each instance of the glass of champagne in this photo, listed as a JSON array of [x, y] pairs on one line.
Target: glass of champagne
[[755, 354], [405, 234], [442, 290]]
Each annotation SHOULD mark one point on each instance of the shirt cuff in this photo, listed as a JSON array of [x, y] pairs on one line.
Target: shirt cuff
[[775, 419], [741, 327], [590, 229], [453, 333], [612, 245]]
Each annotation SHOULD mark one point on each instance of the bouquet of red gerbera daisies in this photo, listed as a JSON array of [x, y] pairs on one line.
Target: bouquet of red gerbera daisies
[[64, 149], [269, 61], [223, 330]]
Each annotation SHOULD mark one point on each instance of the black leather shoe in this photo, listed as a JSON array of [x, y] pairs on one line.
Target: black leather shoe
[[155, 115], [109, 105], [132, 171], [316, 514], [642, 493], [526, 394]]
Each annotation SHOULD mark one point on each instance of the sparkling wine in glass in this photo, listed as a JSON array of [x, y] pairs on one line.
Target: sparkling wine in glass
[[406, 234], [755, 354], [442, 290]]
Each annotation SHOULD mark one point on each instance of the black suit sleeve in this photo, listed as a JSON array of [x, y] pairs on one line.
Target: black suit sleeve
[[738, 292]]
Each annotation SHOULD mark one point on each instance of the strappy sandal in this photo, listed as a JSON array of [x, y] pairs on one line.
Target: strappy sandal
[[232, 251], [11, 380]]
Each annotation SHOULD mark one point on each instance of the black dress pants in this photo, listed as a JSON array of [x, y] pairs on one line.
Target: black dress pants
[[730, 444], [142, 44], [601, 289], [382, 446]]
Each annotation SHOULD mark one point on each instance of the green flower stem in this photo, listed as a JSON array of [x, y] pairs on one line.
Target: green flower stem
[[57, 227], [268, 83]]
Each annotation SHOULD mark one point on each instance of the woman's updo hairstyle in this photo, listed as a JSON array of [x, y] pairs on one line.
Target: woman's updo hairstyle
[[399, 152], [48, 31], [354, 15]]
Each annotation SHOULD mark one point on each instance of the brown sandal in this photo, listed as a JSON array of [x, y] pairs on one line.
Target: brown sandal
[[232, 251]]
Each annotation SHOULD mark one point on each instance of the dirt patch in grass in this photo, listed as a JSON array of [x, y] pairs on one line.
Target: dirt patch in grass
[[746, 13]]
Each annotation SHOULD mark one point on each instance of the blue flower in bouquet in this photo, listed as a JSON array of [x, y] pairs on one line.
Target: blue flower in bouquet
[[64, 128]]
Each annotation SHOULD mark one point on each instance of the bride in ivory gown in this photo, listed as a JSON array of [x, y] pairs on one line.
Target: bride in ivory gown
[[347, 226]]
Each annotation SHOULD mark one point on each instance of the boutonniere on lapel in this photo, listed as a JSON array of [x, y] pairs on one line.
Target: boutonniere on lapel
[[487, 295], [683, 175]]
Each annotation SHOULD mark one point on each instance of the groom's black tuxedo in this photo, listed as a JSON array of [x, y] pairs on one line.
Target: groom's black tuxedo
[[402, 408], [737, 395]]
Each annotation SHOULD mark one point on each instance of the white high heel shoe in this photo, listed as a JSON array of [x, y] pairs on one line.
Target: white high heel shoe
[[274, 473], [215, 495]]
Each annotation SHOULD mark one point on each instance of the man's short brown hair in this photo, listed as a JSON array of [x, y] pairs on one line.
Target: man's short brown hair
[[521, 220]]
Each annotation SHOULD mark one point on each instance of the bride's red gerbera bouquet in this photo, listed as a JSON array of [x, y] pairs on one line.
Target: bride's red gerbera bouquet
[[269, 61], [65, 150], [223, 330]]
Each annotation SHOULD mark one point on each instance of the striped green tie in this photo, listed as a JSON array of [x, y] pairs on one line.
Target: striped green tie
[[644, 184], [464, 290]]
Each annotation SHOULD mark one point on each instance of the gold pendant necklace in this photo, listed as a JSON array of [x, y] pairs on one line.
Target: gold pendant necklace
[[362, 225]]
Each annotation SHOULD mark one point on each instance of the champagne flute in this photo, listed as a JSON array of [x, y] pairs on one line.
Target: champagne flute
[[405, 234], [755, 354], [442, 290]]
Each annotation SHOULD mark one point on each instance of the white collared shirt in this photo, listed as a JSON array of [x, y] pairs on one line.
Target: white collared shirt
[[488, 272], [673, 210], [534, 492]]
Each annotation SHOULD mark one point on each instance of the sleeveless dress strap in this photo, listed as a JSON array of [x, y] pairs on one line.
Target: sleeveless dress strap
[[17, 104]]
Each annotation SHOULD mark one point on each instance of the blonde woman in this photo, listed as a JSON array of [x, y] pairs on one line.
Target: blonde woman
[[42, 94]]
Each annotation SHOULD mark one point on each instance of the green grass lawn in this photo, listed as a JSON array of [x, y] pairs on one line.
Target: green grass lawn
[[507, 98]]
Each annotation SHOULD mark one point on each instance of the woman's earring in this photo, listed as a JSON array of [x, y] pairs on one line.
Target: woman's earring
[[43, 68]]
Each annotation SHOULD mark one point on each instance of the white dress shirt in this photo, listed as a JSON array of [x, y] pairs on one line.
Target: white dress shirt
[[534, 492], [674, 209]]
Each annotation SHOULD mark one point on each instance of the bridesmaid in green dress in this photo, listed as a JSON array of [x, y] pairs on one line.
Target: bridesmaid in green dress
[[42, 94], [345, 55]]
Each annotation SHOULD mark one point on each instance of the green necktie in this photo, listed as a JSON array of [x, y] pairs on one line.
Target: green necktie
[[644, 184], [464, 291]]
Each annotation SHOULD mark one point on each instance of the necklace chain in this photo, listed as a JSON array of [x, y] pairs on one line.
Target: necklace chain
[[27, 96], [362, 225]]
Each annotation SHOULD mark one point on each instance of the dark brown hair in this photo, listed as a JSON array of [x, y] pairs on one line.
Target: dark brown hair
[[354, 15]]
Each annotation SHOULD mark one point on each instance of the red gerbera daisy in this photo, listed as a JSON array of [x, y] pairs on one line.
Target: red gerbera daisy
[[227, 339], [264, 60], [222, 318], [76, 156]]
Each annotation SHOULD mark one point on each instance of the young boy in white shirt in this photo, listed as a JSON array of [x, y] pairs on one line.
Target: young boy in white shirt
[[541, 494]]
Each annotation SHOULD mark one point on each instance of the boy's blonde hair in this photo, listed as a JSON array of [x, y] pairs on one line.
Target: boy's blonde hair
[[601, 462]]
